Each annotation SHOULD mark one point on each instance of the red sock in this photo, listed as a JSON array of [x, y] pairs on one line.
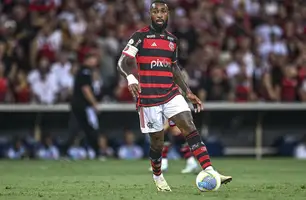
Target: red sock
[[198, 149], [186, 152], [156, 160], [165, 150]]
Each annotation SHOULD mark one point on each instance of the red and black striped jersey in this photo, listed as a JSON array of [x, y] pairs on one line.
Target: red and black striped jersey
[[155, 53]]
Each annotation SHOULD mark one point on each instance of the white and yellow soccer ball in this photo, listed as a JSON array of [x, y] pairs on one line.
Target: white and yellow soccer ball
[[208, 180]]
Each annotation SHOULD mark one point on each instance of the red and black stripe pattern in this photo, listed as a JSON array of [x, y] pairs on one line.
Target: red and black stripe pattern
[[155, 58], [198, 149], [156, 160], [156, 166]]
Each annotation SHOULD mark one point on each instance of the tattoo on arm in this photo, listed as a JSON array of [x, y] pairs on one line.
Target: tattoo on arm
[[126, 65], [179, 79]]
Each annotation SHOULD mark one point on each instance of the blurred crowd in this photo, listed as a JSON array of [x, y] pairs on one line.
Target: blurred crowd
[[128, 147], [51, 147], [232, 50]]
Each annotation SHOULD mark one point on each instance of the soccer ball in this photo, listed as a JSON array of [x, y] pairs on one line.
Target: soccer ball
[[208, 181]]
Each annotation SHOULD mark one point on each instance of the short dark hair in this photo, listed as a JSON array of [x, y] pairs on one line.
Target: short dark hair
[[158, 1]]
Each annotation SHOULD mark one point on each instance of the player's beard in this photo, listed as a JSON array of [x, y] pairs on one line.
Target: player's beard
[[160, 27]]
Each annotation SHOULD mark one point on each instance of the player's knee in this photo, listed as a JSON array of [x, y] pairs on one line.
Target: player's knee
[[188, 128], [157, 146]]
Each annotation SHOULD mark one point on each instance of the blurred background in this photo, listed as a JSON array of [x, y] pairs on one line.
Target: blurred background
[[235, 52]]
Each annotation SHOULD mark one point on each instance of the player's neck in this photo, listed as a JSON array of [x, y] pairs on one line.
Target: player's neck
[[157, 29]]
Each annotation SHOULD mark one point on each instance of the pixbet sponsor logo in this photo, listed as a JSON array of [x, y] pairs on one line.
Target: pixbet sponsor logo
[[160, 63]]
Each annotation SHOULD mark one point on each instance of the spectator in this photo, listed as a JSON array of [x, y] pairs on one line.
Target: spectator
[[300, 150], [78, 152], [239, 65], [289, 85], [47, 150], [216, 87], [10, 59], [105, 151], [4, 85], [43, 83], [188, 38], [46, 44], [78, 26], [244, 45], [22, 92], [130, 151], [274, 45], [62, 72], [272, 79], [241, 78], [268, 28], [17, 151]]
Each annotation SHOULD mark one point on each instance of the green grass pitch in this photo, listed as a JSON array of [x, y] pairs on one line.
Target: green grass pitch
[[130, 180]]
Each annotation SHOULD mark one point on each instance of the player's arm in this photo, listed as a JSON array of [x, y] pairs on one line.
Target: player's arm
[[127, 64], [180, 81]]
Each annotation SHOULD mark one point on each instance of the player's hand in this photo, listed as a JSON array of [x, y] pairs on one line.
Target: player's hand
[[197, 103], [135, 90]]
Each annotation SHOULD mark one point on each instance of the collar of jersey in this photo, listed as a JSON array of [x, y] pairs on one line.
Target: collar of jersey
[[154, 30]]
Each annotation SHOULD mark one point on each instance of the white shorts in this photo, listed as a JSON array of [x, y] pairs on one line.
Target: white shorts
[[152, 119]]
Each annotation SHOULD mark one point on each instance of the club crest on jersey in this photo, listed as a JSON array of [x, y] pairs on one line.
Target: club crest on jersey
[[171, 46]]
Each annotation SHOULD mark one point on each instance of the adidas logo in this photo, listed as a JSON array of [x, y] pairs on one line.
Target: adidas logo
[[154, 45]]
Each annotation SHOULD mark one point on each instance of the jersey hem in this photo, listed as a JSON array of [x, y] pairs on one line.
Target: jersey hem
[[160, 103]]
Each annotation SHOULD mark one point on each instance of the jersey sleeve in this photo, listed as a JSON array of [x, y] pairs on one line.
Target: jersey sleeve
[[133, 45], [85, 77]]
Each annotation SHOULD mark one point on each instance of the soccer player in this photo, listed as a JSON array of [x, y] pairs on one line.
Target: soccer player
[[151, 55], [84, 106]]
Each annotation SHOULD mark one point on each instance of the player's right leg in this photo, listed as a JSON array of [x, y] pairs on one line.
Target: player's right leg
[[151, 122], [167, 144], [156, 148]]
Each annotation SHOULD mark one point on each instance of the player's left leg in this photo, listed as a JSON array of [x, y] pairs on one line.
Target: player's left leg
[[178, 111], [191, 163], [184, 121]]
